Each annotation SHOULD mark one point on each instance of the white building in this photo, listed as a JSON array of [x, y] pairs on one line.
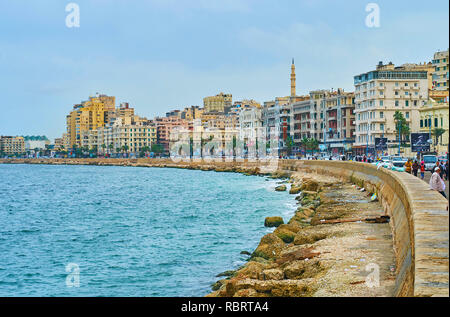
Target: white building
[[378, 95]]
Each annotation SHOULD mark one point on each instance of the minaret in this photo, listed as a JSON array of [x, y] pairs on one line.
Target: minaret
[[293, 79]]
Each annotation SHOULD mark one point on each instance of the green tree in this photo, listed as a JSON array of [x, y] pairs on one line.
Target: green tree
[[400, 123], [157, 148], [437, 132], [289, 144]]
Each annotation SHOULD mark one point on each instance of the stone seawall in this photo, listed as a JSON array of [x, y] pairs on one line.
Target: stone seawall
[[419, 216]]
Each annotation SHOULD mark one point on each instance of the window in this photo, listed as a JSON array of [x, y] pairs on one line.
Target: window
[[406, 84], [381, 114], [381, 126], [415, 102], [406, 93], [435, 122], [396, 103], [396, 93], [381, 103], [407, 103], [407, 115], [421, 123], [396, 84]]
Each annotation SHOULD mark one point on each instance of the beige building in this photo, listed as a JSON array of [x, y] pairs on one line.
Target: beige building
[[378, 95], [89, 115], [218, 103], [434, 115], [440, 74], [12, 145]]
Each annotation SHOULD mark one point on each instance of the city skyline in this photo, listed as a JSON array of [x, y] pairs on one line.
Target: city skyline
[[48, 73]]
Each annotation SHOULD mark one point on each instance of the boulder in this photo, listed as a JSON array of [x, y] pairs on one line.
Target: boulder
[[309, 185], [272, 274], [273, 221], [308, 237], [285, 234], [269, 247], [278, 288], [302, 269], [251, 270], [281, 188], [294, 190]]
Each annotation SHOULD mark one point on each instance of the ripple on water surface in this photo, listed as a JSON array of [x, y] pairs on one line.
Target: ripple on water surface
[[132, 231]]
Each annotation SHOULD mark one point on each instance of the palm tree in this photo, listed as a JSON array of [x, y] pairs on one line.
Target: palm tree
[[103, 148], [400, 123], [437, 132]]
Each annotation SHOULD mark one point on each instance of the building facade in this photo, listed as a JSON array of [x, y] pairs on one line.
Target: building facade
[[12, 145], [440, 74], [378, 95], [434, 116]]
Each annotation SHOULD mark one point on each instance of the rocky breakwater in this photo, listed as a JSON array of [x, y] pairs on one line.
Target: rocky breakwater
[[320, 251]]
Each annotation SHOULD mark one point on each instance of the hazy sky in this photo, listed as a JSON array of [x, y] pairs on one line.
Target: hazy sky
[[161, 55]]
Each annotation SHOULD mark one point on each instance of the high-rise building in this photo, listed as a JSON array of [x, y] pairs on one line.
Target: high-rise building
[[440, 74], [218, 103], [89, 115], [12, 145], [378, 95]]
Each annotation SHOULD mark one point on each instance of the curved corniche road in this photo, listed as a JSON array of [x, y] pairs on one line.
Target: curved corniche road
[[419, 216]]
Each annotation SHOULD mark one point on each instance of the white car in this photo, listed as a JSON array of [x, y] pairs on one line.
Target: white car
[[398, 161]]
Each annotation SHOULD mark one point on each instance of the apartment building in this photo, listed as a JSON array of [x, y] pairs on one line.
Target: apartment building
[[12, 145], [89, 115], [440, 74], [378, 95], [218, 103], [434, 116]]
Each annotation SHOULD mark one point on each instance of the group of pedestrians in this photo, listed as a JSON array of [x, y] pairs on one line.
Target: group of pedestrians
[[439, 173]]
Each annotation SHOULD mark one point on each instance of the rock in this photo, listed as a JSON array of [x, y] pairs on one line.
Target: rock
[[269, 247], [273, 221], [294, 190], [302, 269], [308, 212], [249, 292], [217, 285], [272, 274], [309, 185], [297, 254], [308, 237], [285, 234], [251, 270], [281, 188], [245, 253], [226, 273], [278, 288]]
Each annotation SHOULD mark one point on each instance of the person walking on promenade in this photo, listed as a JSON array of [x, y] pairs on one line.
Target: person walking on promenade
[[422, 169], [436, 182], [415, 167], [446, 170], [442, 168], [408, 166]]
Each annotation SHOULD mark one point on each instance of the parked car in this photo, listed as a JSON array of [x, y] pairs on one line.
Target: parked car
[[430, 162], [386, 159], [398, 161]]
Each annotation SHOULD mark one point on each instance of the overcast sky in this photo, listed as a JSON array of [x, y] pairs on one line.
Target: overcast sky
[[161, 55]]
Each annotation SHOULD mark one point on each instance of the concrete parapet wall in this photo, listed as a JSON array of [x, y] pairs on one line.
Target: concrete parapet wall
[[419, 221]]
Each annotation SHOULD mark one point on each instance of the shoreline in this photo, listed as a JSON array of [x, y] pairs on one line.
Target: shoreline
[[289, 261]]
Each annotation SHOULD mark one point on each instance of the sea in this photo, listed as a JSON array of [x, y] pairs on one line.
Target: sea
[[128, 231]]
